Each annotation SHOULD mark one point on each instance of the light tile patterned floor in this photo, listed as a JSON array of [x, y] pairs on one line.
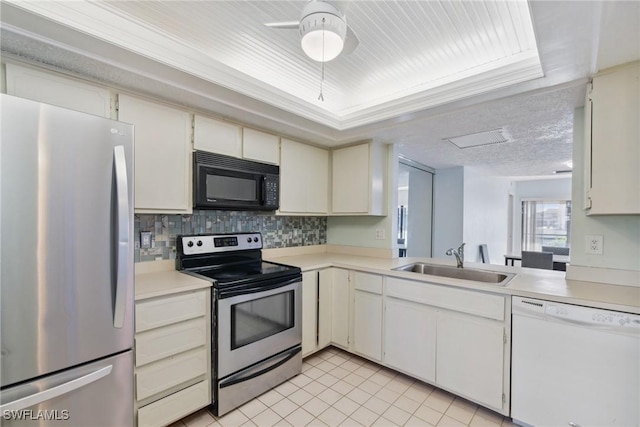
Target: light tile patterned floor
[[339, 389]]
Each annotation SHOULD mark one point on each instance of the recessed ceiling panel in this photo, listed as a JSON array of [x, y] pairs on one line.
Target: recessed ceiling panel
[[412, 54]]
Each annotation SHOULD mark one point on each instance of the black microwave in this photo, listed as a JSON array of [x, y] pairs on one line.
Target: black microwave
[[223, 182]]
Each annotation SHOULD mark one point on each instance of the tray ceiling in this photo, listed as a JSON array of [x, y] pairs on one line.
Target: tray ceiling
[[412, 54]]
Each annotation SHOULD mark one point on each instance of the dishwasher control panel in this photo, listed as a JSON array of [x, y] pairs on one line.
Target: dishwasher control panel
[[577, 314]]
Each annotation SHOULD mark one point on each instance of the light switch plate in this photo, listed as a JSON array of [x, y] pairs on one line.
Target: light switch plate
[[593, 245], [145, 239]]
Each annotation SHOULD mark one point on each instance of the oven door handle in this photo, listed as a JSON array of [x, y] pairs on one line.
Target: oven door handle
[[251, 373], [254, 288]]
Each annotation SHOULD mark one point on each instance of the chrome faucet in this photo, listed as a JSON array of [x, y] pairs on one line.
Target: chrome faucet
[[459, 253]]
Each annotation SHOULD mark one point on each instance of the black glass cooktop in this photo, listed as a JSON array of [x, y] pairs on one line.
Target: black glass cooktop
[[248, 271]]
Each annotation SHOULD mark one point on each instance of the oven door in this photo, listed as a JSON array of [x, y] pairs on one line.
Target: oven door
[[257, 321]]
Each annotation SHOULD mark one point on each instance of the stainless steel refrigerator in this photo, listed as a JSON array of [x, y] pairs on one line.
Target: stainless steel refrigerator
[[66, 249]]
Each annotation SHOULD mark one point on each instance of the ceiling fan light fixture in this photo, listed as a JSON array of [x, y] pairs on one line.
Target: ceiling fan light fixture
[[322, 36]]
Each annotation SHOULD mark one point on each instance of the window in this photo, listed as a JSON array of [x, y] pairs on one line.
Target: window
[[546, 223]]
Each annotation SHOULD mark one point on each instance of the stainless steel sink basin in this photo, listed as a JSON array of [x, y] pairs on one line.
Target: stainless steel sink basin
[[489, 277]]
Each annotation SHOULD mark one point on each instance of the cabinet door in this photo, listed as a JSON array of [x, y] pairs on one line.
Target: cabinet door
[[309, 312], [367, 324], [410, 338], [57, 90], [612, 157], [317, 194], [216, 136], [470, 354], [304, 178], [162, 155], [340, 307], [260, 146], [350, 180], [325, 295]]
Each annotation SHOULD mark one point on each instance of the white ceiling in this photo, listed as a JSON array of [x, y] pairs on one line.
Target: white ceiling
[[423, 71]]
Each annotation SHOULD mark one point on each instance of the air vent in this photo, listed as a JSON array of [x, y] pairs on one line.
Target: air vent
[[495, 136]]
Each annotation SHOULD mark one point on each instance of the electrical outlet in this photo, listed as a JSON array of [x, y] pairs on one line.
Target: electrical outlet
[[593, 245], [379, 234]]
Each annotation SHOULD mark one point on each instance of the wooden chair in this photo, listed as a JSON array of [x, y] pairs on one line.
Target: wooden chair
[[537, 260]]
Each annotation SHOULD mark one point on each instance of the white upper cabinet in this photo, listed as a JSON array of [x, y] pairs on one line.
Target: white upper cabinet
[[53, 89], [162, 155], [358, 180], [304, 178], [226, 138], [612, 151], [260, 146], [216, 136]]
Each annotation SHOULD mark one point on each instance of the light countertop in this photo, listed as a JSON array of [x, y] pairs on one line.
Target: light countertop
[[528, 282], [160, 278]]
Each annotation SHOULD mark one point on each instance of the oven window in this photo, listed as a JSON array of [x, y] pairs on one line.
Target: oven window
[[220, 187], [254, 320]]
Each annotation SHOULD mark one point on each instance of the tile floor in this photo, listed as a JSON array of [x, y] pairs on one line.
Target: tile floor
[[339, 389]]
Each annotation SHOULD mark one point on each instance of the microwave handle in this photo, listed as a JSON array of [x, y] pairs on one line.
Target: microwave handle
[[263, 190]]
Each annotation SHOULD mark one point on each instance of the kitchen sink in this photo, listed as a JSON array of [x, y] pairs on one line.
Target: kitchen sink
[[482, 276]]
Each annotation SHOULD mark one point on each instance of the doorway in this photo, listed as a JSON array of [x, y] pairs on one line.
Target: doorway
[[415, 209]]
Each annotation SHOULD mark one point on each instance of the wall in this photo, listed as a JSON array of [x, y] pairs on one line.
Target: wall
[[277, 231], [448, 208], [540, 189], [621, 234], [486, 215]]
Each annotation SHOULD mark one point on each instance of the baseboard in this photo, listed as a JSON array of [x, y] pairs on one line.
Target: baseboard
[[603, 275]]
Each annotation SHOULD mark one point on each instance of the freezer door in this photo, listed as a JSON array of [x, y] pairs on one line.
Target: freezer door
[[66, 185], [99, 394]]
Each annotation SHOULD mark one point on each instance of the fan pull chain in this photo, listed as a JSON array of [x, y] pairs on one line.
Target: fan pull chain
[[321, 97]]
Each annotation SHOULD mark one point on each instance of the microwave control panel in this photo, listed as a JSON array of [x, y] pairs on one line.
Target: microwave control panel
[[271, 191]]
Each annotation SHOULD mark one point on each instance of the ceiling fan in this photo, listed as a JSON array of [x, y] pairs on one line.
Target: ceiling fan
[[324, 32]]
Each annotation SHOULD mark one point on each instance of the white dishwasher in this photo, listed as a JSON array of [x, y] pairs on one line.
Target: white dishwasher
[[573, 365]]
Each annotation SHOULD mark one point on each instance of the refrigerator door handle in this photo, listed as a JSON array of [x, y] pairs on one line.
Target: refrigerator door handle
[[37, 398], [122, 245]]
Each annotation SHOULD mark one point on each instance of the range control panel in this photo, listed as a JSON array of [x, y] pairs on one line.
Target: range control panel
[[213, 243]]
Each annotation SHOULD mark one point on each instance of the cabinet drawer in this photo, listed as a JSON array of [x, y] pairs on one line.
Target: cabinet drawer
[[175, 406], [167, 310], [163, 342], [477, 303], [368, 282], [159, 376]]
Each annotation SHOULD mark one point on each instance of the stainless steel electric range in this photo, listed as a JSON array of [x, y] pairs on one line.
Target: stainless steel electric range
[[256, 319]]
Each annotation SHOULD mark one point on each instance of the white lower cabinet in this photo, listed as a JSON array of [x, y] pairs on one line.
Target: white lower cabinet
[[173, 356], [453, 338], [316, 310], [367, 315], [340, 308], [309, 312], [470, 355], [410, 338]]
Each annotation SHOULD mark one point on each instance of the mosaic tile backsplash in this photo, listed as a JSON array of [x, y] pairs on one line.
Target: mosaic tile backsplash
[[277, 231]]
